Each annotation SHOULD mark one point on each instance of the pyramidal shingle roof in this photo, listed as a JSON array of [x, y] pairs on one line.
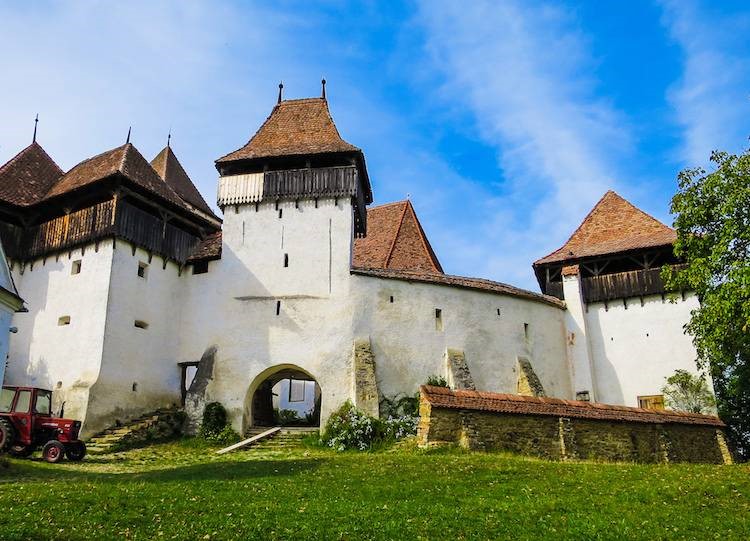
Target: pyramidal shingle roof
[[614, 225], [27, 177], [294, 127], [169, 168], [395, 240], [125, 160]]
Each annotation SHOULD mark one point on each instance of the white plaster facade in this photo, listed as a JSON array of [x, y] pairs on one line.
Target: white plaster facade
[[104, 367]]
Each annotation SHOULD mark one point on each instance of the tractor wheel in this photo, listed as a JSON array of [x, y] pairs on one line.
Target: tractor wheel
[[75, 451], [53, 451], [7, 434], [21, 450]]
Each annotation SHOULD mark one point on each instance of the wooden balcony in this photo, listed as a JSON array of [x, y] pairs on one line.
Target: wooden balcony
[[101, 221], [621, 285]]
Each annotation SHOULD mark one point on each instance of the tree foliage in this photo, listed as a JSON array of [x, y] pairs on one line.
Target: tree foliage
[[686, 392], [713, 237]]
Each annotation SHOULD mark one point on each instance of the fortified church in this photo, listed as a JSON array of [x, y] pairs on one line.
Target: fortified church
[[305, 295]]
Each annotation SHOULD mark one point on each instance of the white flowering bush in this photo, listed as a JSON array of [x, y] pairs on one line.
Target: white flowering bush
[[351, 428]]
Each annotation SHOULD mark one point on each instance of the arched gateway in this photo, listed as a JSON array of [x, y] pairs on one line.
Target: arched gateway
[[284, 394]]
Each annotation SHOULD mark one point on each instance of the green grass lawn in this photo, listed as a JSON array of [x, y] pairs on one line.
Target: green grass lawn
[[184, 491]]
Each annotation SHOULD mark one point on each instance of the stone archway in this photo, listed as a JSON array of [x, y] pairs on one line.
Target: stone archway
[[283, 395]]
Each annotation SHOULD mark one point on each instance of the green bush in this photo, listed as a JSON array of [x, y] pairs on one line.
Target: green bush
[[437, 381], [215, 428], [286, 417], [214, 418], [399, 405], [351, 428]]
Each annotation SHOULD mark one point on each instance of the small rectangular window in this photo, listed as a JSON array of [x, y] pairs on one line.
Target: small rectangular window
[[438, 319], [63, 320], [297, 390], [526, 330], [140, 324], [76, 268], [278, 307], [200, 267], [498, 312], [286, 260], [142, 269], [391, 299], [281, 211], [651, 402]]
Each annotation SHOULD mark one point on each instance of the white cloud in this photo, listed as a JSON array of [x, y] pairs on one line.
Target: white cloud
[[712, 98], [523, 73]]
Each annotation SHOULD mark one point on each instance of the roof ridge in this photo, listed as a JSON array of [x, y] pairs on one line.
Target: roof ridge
[[425, 243], [20, 153], [395, 237]]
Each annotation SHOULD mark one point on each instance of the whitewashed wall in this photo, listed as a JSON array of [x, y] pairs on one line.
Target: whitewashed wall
[[63, 358], [635, 349], [139, 366], [409, 348], [233, 307]]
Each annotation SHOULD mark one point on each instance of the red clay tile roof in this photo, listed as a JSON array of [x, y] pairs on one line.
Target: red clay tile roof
[[28, 176], [169, 168], [208, 249], [613, 225], [479, 284], [294, 127], [442, 397], [395, 240], [125, 160]]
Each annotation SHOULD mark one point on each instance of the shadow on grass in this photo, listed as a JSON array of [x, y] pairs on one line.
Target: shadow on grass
[[204, 471]]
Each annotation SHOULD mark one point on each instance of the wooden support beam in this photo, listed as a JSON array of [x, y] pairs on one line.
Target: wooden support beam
[[248, 441]]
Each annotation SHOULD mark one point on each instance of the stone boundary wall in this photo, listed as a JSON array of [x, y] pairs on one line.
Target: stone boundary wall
[[653, 439]]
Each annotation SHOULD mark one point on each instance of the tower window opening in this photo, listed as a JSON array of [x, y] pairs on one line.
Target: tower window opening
[[286, 260], [135, 387], [142, 270], [391, 299], [281, 211], [76, 268], [438, 319], [140, 324], [526, 330], [278, 307], [63, 320], [200, 267], [498, 312]]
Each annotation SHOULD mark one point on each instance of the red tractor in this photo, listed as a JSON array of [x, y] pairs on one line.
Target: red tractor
[[26, 423]]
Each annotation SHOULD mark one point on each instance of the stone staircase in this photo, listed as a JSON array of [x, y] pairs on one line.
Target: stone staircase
[[154, 425], [289, 437]]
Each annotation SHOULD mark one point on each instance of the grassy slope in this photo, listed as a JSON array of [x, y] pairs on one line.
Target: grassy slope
[[183, 491]]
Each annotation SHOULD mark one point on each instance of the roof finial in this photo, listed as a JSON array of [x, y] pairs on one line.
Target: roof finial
[[36, 121], [323, 82], [128, 139], [169, 136], [281, 87]]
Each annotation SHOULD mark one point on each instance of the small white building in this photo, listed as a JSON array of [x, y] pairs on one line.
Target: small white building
[[303, 297]]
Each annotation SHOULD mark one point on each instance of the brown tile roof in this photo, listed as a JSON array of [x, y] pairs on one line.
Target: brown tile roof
[[208, 249], [479, 284], [124, 160], [28, 176], [169, 168], [294, 127], [442, 397], [614, 225], [395, 240]]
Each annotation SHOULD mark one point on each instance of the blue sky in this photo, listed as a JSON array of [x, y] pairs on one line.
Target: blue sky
[[504, 121]]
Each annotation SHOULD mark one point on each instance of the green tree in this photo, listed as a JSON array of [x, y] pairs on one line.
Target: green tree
[[713, 237], [686, 392]]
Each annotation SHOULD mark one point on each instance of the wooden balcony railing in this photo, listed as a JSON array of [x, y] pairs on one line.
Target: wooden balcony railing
[[621, 285]]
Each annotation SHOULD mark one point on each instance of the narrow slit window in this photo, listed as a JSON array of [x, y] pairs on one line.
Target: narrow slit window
[[498, 312], [278, 307], [76, 268], [63, 320], [281, 212], [391, 299], [140, 324], [438, 319], [135, 387], [286, 260], [142, 270], [526, 330]]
